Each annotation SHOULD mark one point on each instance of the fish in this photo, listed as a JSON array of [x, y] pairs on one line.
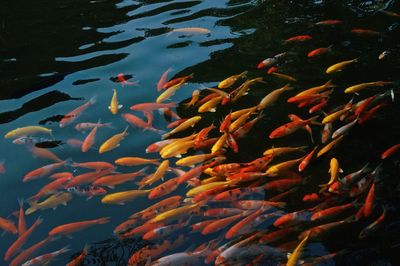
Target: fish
[[87, 125], [299, 38], [326, 132], [317, 89], [319, 51], [158, 174], [52, 187], [69, 228], [340, 66], [52, 202], [124, 196], [284, 76], [304, 163], [329, 22], [8, 226], [195, 159], [274, 170], [44, 154], [210, 106], [272, 97], [384, 54], [291, 127], [277, 151], [228, 82], [362, 86], [138, 122], [329, 146], [194, 99], [163, 79], [44, 170], [387, 153], [79, 260], [94, 165], [112, 180], [74, 114], [191, 122], [169, 92], [113, 142], [132, 161], [27, 253], [365, 32], [27, 131], [89, 140], [192, 30], [46, 258], [89, 191], [335, 115], [344, 129], [114, 106], [21, 218], [295, 256], [122, 78], [149, 107], [164, 188]]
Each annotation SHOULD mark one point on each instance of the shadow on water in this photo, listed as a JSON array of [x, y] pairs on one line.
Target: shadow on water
[[34, 34]]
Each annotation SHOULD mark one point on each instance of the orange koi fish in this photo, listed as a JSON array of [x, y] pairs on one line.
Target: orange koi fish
[[74, 114], [163, 79], [390, 151], [133, 161], [304, 163], [89, 140], [67, 229], [8, 226], [138, 122], [78, 261], [319, 51], [46, 258], [290, 128], [112, 180], [43, 171], [27, 253]]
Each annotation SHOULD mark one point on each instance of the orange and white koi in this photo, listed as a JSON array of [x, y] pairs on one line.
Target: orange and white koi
[[290, 128], [305, 162]]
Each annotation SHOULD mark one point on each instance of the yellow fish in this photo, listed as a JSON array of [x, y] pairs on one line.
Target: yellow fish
[[114, 106], [317, 89], [124, 196], [340, 66], [192, 30], [25, 131], [205, 187], [159, 174], [239, 122], [177, 213], [358, 87], [177, 150], [194, 159], [236, 114], [226, 83], [274, 170], [284, 76], [113, 142], [50, 203], [219, 144], [283, 150], [194, 99], [188, 123], [169, 92], [271, 97], [242, 90], [294, 257], [210, 105], [329, 146], [335, 116]]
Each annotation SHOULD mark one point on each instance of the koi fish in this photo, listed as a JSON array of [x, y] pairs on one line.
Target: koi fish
[[390, 151], [89, 191], [192, 30], [340, 66], [74, 114], [191, 122], [114, 106], [137, 122], [169, 92], [89, 140], [26, 131], [329, 22], [163, 79], [86, 126], [290, 128], [228, 82], [362, 86], [319, 51], [148, 107], [8, 226], [272, 97], [299, 38], [27, 253], [123, 196], [69, 228], [78, 261], [112, 180], [46, 258], [295, 256], [52, 202], [123, 79], [113, 142]]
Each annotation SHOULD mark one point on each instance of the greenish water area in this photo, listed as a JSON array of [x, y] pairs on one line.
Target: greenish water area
[[56, 56]]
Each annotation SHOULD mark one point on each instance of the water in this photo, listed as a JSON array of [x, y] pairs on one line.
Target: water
[[55, 56]]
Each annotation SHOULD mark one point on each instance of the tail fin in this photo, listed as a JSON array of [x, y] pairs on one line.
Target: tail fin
[[34, 207], [93, 100], [103, 220]]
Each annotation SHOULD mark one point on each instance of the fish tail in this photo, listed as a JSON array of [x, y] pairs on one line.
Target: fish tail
[[109, 125], [69, 162], [34, 207], [243, 74], [21, 202], [64, 250], [125, 132], [93, 100], [103, 220]]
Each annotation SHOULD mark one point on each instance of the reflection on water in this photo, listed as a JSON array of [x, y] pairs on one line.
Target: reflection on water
[[55, 56]]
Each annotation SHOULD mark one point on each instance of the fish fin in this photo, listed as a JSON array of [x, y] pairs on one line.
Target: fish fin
[[179, 156], [392, 95], [329, 170], [213, 110], [111, 187], [88, 198], [120, 106], [93, 100], [109, 107], [148, 261], [340, 170]]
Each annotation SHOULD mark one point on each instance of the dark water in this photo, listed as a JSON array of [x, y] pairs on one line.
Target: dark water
[[55, 55]]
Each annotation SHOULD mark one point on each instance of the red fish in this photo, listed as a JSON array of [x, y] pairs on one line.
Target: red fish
[[74, 114], [319, 51], [390, 151], [67, 229], [163, 79], [299, 38], [177, 80], [329, 22], [304, 163], [123, 80], [138, 122], [290, 128]]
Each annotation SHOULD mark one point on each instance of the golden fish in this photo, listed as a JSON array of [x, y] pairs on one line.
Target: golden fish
[[188, 123], [114, 106], [169, 92], [50, 203], [274, 170], [271, 97], [329, 146], [124, 196], [113, 142], [25, 131], [226, 83], [358, 87], [340, 66]]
